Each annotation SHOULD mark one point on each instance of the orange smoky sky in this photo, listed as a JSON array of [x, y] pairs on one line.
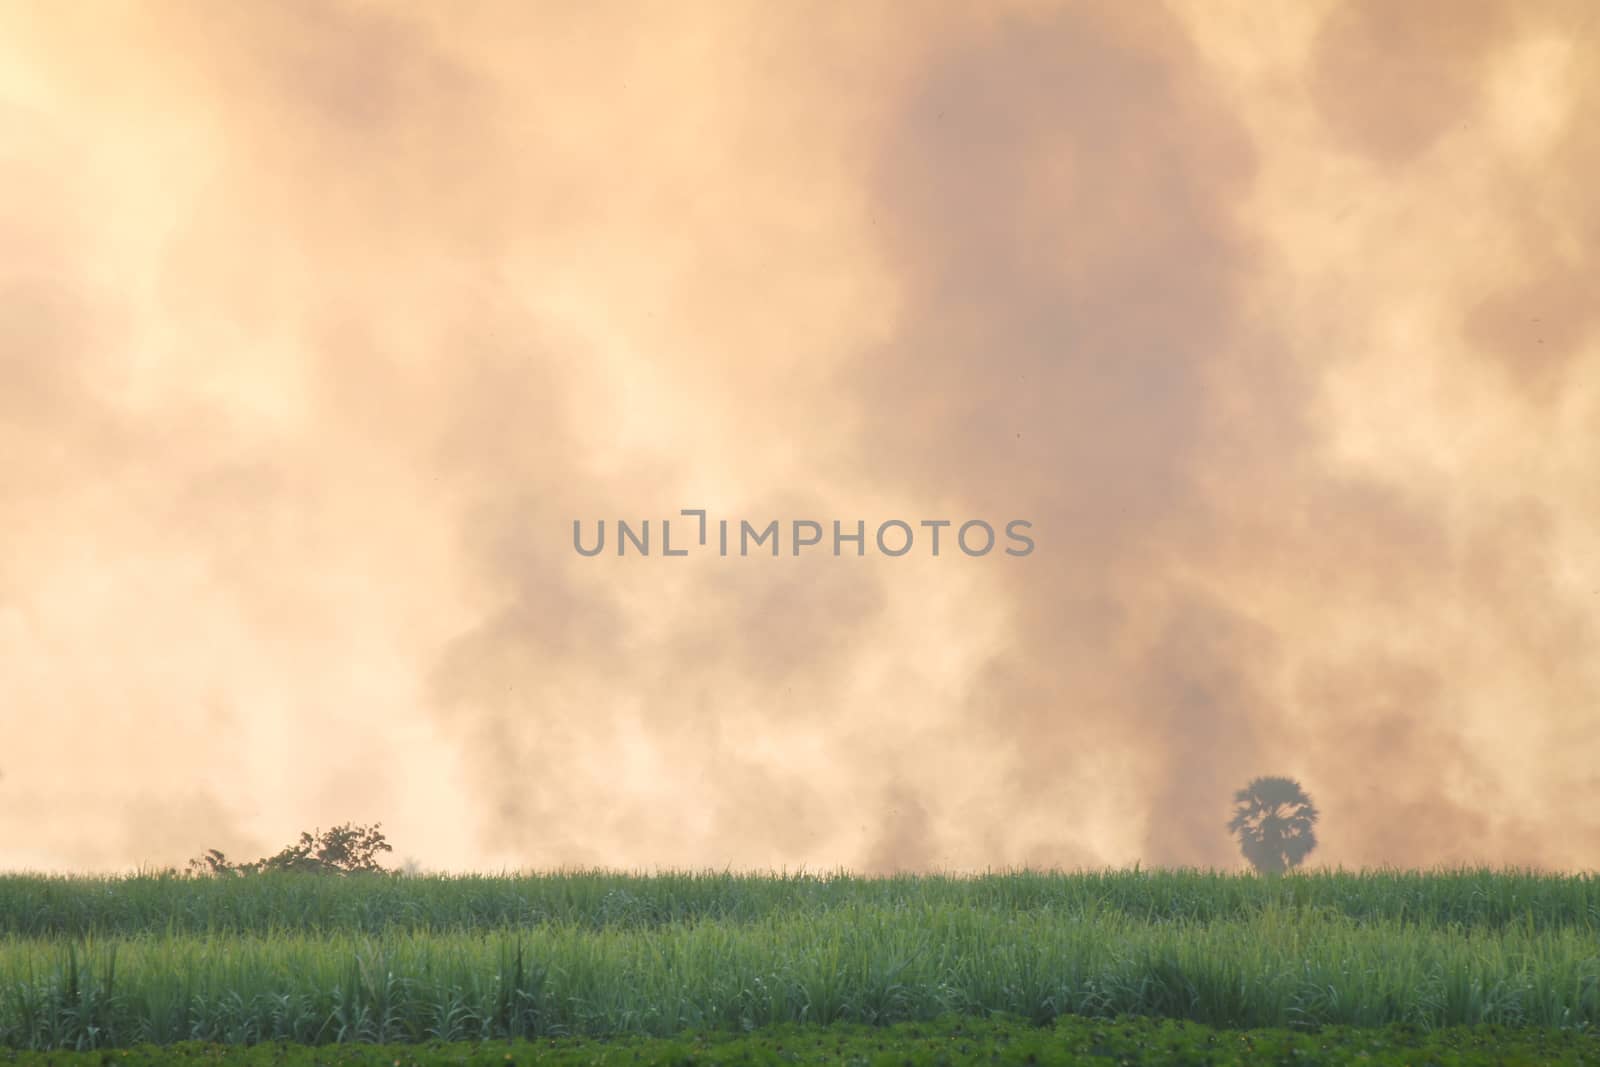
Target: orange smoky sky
[[320, 323]]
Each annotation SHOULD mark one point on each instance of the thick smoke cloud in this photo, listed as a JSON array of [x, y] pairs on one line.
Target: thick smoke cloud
[[319, 325]]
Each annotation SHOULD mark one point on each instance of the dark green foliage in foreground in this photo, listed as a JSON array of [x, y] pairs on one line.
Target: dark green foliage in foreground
[[52, 906], [947, 1041]]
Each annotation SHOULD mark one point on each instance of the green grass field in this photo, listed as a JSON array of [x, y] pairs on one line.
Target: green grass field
[[950, 1040], [90, 963]]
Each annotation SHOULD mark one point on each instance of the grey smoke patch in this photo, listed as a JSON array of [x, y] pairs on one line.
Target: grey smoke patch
[[154, 479], [1422, 786], [171, 828], [1418, 797], [533, 690], [419, 183], [1390, 81], [765, 814], [567, 668], [1060, 195], [55, 327], [500, 687], [324, 321], [905, 838], [1540, 329], [785, 627], [516, 685], [1204, 703], [1393, 82]]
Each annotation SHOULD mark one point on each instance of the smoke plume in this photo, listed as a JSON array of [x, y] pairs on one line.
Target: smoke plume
[[320, 324]]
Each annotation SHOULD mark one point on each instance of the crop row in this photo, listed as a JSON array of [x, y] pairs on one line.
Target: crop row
[[35, 905], [855, 963]]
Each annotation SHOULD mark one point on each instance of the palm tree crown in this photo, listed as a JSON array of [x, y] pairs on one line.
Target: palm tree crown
[[1274, 820]]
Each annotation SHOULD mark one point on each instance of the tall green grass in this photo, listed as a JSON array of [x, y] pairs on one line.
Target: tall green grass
[[99, 963], [32, 905]]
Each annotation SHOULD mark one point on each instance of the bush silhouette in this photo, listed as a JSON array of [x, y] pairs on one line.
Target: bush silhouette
[[343, 850]]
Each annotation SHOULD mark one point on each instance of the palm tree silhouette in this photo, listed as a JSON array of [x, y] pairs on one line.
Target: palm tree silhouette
[[1274, 820]]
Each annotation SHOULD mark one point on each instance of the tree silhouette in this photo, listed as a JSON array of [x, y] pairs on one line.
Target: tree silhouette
[[1275, 822], [346, 849]]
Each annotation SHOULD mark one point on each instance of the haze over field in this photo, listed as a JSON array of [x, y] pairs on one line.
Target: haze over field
[[320, 322]]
